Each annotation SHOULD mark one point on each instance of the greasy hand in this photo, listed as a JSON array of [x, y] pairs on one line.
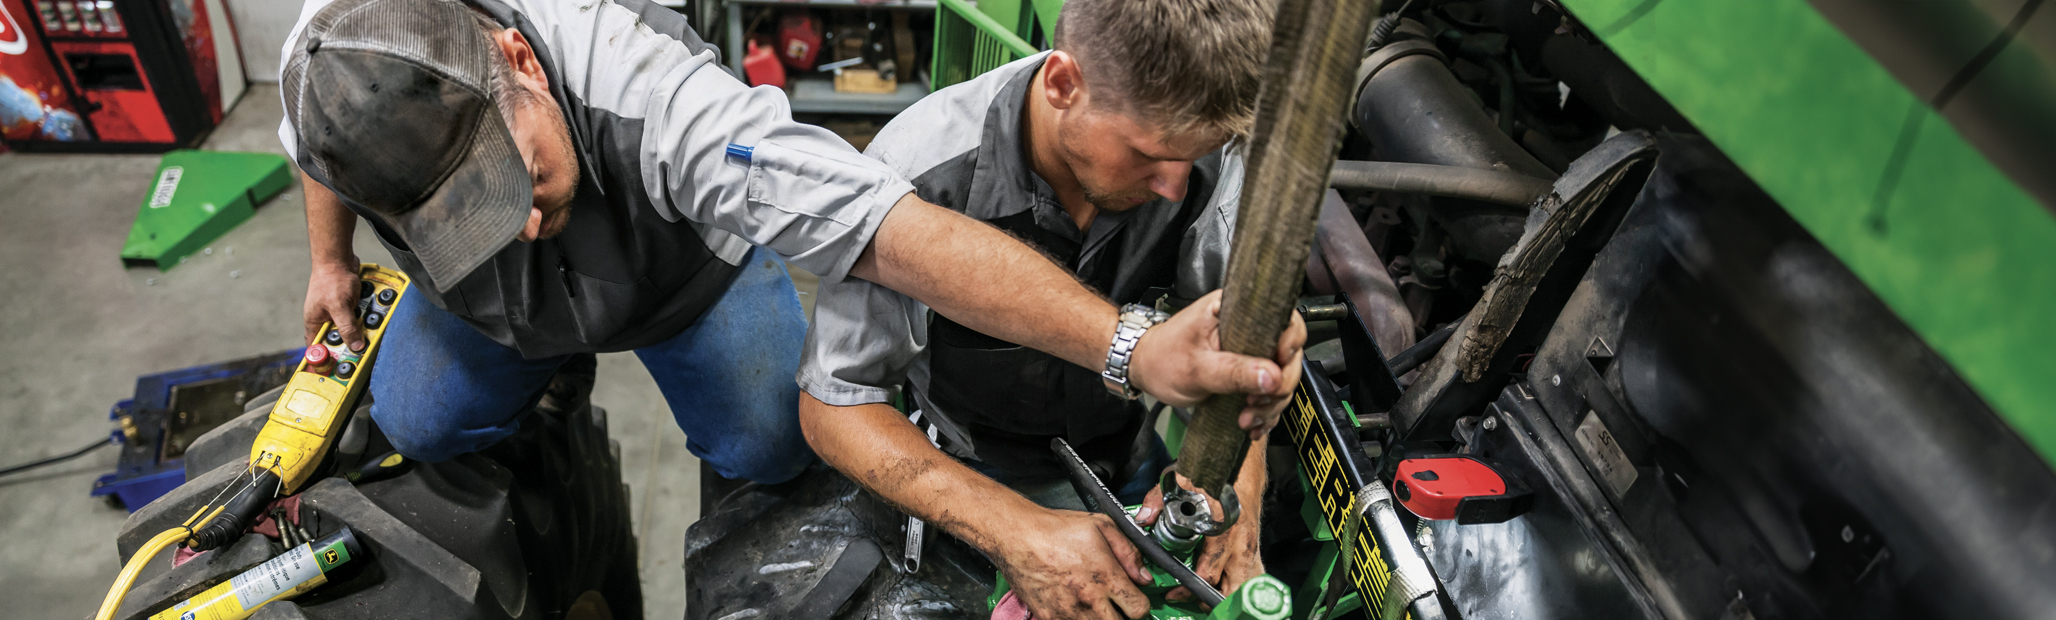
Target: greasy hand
[[1229, 559], [332, 298], [1226, 560], [1181, 362], [1069, 564]]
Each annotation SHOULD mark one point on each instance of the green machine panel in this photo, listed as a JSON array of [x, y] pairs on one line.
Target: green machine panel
[[1959, 251]]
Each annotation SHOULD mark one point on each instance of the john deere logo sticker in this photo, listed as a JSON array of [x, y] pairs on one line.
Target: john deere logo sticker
[[331, 556]]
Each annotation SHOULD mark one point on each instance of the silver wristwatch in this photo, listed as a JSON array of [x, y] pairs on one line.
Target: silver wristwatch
[[1135, 320]]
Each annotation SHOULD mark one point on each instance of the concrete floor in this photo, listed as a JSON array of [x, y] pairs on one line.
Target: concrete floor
[[76, 329]]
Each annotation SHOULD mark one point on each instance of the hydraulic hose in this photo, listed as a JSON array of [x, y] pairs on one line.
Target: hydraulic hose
[[1085, 483], [1507, 188], [1422, 351], [105, 441]]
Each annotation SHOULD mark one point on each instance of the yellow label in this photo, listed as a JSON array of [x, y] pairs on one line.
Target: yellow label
[[282, 577], [1335, 492], [310, 411]]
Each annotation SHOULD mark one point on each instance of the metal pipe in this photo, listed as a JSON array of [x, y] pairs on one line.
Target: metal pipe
[[1423, 351], [1492, 186], [1089, 487]]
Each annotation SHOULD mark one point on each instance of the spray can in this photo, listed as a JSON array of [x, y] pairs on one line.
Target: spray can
[[294, 572]]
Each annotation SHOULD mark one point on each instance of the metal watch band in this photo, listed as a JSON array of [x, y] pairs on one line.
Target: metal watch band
[[1135, 320]]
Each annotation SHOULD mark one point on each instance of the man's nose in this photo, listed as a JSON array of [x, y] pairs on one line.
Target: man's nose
[[1169, 179]]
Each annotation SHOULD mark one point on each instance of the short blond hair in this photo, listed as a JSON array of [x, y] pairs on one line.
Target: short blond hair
[[1184, 65]]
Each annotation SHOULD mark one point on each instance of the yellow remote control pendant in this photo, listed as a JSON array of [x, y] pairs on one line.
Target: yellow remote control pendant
[[324, 389]]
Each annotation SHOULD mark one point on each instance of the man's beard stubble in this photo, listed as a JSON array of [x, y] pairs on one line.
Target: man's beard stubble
[[554, 222]]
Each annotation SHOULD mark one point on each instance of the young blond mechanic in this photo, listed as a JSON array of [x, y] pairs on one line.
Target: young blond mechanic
[[1108, 155]]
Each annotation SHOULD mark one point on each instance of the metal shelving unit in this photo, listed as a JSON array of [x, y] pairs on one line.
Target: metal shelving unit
[[815, 94]]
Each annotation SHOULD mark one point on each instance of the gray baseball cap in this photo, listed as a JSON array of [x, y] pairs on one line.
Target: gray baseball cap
[[392, 104]]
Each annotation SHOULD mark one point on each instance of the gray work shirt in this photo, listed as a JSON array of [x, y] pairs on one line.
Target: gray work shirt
[[963, 149], [662, 214]]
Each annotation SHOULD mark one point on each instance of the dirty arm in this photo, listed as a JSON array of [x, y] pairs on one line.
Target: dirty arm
[[980, 277], [1062, 563], [332, 286]]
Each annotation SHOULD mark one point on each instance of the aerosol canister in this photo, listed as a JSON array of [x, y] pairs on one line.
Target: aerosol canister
[[294, 572]]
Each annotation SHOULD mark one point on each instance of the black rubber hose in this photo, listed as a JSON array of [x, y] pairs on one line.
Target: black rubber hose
[[109, 440], [243, 506], [1492, 186], [1422, 351], [1097, 494]]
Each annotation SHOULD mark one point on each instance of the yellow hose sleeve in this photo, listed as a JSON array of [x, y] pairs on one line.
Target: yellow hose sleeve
[[156, 544]]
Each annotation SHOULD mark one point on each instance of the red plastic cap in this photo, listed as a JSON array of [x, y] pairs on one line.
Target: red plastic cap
[[1432, 487]]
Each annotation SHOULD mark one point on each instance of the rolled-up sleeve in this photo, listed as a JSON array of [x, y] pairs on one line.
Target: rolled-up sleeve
[[863, 340], [801, 191]]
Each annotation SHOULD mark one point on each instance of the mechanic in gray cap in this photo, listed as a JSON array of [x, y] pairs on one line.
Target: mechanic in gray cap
[[570, 177]]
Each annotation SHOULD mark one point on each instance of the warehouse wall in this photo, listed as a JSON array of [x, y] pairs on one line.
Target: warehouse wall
[[261, 28]]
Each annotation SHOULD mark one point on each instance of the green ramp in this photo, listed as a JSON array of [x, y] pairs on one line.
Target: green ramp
[[198, 196]]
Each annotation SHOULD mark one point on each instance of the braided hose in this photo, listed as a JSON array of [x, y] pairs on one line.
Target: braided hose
[[1300, 115]]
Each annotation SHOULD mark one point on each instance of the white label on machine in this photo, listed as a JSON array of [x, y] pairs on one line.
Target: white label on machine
[[1605, 454], [167, 184], [276, 577]]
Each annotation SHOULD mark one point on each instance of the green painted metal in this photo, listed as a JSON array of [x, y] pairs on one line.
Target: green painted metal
[[1174, 435], [1010, 15], [1262, 598], [970, 40], [1957, 250], [1046, 16], [198, 196]]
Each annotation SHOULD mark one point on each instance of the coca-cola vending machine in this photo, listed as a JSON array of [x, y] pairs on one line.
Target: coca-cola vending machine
[[114, 75]]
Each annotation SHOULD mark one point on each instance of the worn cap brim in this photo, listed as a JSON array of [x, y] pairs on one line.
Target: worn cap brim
[[477, 211]]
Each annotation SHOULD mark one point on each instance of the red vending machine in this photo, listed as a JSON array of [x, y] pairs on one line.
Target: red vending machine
[[114, 75]]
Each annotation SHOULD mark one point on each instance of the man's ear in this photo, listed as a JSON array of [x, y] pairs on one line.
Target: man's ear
[[1063, 83], [528, 71]]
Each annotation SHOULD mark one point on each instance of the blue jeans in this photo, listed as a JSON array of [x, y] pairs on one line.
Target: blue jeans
[[442, 389]]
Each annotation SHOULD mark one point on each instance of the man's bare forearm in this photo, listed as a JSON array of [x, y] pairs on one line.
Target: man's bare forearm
[[874, 445], [1250, 482], [985, 279], [331, 227]]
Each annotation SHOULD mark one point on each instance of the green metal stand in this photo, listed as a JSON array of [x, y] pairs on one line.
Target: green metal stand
[[198, 196]]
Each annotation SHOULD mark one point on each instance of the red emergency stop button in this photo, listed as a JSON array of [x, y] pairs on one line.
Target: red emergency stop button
[[318, 359], [1459, 487]]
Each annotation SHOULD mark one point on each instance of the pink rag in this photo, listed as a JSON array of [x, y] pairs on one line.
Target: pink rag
[[1010, 607]]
